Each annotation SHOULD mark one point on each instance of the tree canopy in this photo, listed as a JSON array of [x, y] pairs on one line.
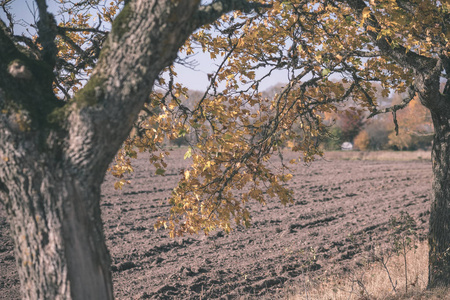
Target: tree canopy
[[333, 51]]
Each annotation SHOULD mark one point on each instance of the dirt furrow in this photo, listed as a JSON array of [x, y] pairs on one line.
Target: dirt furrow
[[340, 212]]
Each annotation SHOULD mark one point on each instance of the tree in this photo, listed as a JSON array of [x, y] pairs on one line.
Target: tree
[[415, 127], [334, 140], [415, 36], [351, 123], [55, 151], [362, 141], [379, 130]]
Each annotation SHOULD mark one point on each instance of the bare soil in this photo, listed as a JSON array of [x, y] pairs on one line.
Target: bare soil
[[341, 211]]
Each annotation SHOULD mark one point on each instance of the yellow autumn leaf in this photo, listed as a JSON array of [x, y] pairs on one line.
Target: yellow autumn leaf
[[365, 13]]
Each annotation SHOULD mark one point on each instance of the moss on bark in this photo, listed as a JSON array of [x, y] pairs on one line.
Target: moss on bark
[[120, 24], [91, 93]]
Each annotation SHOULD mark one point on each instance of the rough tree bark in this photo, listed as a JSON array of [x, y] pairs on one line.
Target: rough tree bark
[[427, 83], [427, 73], [55, 222], [53, 155], [439, 236]]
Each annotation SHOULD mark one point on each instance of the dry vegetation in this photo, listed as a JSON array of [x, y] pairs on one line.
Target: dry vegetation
[[372, 281], [379, 155]]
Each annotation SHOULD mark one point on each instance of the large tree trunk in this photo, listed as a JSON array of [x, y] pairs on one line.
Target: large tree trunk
[[439, 236], [56, 225]]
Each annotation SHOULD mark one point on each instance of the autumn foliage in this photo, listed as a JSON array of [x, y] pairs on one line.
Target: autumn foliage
[[233, 129], [415, 127], [362, 141]]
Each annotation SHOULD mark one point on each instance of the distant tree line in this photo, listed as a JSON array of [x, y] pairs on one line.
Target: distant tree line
[[415, 129]]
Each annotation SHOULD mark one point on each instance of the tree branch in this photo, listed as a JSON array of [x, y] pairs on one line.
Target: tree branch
[[393, 109], [367, 53], [32, 47], [80, 29], [47, 33], [400, 54], [8, 51], [8, 15], [209, 13], [72, 44]]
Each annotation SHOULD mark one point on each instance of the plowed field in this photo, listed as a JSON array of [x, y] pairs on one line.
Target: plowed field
[[341, 211]]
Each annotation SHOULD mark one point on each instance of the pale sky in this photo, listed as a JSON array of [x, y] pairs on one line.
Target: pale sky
[[198, 79]]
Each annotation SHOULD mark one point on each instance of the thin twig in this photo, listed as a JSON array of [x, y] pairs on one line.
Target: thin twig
[[80, 29]]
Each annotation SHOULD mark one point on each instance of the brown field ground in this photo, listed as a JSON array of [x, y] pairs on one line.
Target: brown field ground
[[341, 211]]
